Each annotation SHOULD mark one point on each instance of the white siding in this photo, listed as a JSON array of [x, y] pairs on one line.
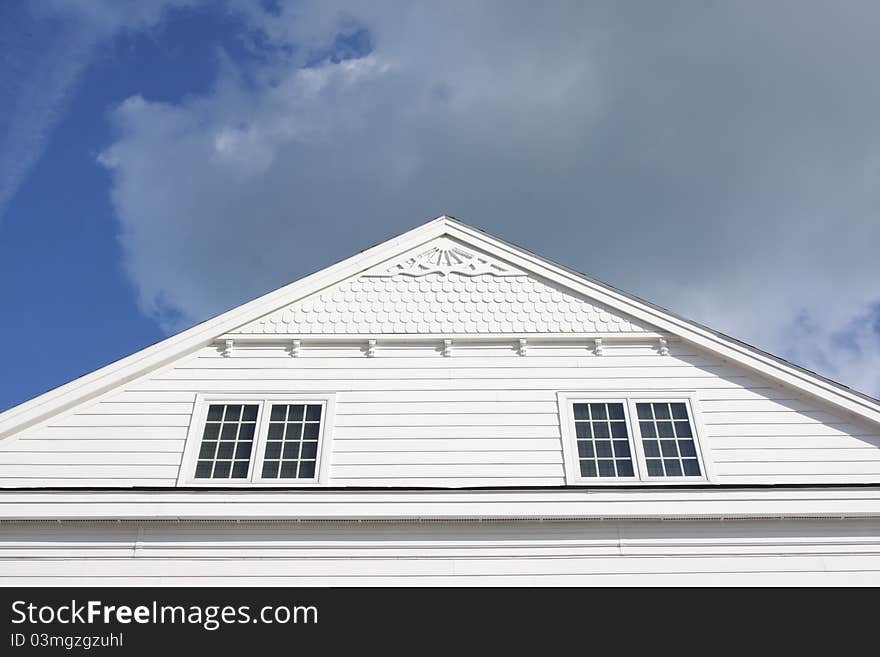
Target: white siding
[[768, 552], [411, 417]]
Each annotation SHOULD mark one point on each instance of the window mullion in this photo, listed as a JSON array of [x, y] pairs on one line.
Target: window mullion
[[260, 441]]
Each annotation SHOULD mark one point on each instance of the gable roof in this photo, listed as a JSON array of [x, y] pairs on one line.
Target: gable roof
[[389, 252]]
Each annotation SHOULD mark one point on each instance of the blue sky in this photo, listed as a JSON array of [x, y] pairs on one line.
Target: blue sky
[[164, 160]]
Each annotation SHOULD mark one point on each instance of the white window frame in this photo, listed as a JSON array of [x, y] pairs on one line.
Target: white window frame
[[629, 399], [186, 476]]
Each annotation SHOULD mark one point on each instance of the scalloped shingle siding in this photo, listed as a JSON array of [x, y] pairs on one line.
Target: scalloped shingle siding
[[438, 303]]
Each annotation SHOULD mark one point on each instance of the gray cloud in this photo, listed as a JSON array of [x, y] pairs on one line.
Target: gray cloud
[[720, 159]]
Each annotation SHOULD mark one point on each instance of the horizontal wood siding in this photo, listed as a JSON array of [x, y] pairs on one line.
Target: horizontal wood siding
[[411, 417], [768, 552]]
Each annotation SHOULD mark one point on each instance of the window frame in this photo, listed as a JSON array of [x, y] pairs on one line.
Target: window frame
[[186, 475], [629, 399]]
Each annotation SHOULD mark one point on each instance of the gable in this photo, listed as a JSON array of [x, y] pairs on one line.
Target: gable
[[445, 288], [412, 254]]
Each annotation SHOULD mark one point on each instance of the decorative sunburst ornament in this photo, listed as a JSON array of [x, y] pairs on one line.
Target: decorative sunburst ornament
[[447, 257]]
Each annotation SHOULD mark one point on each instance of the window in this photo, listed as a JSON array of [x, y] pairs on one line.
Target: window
[[292, 444], [258, 441], [602, 440], [225, 452], [667, 439], [611, 439]]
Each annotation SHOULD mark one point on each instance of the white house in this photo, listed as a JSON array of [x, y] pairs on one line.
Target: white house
[[443, 408]]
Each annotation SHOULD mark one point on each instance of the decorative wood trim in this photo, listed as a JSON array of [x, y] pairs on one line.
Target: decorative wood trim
[[447, 256]]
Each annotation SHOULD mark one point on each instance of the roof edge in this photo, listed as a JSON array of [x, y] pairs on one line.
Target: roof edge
[[103, 379]]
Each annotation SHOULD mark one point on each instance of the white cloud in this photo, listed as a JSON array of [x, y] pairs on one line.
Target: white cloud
[[46, 48], [692, 157]]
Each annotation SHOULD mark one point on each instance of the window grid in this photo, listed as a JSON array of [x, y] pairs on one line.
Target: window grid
[[227, 441], [667, 439], [292, 441], [602, 440]]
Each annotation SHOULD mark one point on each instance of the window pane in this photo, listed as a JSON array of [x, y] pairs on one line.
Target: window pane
[[270, 469], [621, 448], [664, 430], [313, 413], [679, 411], [606, 468], [600, 429], [295, 414], [655, 467], [603, 448], [668, 448], [288, 470], [597, 411], [279, 413], [624, 469], [683, 429], [307, 470], [661, 411], [230, 457], [588, 468], [673, 467], [647, 429], [618, 430], [615, 411], [585, 449], [309, 450], [276, 431], [273, 450], [582, 430], [686, 448], [644, 411], [652, 447], [311, 430], [691, 467], [581, 412]]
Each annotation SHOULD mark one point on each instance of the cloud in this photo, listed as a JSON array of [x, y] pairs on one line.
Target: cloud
[[46, 48], [721, 162]]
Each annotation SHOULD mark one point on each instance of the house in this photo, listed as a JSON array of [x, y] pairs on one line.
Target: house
[[443, 408]]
